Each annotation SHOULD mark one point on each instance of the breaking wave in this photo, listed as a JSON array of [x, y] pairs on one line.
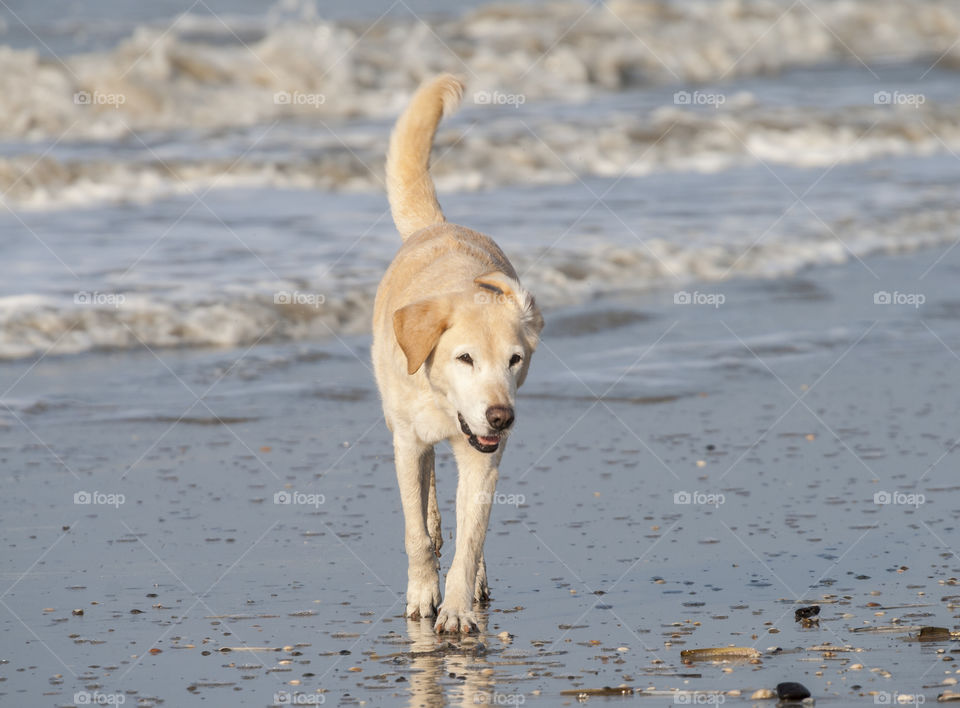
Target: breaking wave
[[507, 152], [203, 73]]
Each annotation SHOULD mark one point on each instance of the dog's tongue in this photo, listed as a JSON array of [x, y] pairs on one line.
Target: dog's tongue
[[488, 440]]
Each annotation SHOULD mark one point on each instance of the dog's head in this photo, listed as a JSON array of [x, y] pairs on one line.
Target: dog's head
[[475, 347]]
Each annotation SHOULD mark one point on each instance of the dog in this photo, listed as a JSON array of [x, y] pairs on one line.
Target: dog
[[453, 335]]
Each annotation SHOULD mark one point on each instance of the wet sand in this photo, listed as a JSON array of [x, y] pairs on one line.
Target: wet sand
[[682, 477]]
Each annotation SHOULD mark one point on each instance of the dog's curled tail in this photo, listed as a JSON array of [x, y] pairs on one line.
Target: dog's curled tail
[[413, 199]]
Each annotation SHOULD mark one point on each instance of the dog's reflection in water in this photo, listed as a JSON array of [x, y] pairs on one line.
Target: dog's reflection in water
[[448, 671]]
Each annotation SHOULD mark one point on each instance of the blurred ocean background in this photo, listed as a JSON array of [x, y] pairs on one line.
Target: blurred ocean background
[[179, 174]]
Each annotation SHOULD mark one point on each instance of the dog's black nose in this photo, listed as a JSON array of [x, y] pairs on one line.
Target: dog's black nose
[[500, 417]]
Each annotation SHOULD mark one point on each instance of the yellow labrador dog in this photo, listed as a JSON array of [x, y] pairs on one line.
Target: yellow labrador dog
[[453, 333]]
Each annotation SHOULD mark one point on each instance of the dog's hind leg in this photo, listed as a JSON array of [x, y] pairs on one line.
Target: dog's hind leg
[[414, 462], [481, 591], [433, 510]]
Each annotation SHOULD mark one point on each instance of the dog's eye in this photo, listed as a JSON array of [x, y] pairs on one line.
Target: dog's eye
[[515, 359], [466, 359]]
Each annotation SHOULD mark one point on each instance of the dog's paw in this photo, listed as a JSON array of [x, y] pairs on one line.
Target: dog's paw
[[456, 620], [423, 599]]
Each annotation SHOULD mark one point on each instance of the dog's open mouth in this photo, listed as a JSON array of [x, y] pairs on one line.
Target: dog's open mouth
[[483, 443]]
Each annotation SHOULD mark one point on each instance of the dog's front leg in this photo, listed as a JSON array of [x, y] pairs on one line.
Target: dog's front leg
[[414, 462], [475, 489]]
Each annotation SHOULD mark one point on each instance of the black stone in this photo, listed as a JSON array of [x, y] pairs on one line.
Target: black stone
[[806, 613], [792, 691]]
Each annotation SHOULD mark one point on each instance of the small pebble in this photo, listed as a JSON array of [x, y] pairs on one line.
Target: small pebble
[[762, 694], [806, 612]]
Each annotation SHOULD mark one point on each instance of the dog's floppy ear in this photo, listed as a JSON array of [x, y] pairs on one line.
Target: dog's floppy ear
[[532, 320], [418, 327]]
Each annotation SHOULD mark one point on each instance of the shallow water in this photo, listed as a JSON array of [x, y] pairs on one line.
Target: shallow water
[[780, 436]]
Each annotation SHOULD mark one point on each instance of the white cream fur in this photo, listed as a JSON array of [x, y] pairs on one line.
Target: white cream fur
[[449, 291]]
